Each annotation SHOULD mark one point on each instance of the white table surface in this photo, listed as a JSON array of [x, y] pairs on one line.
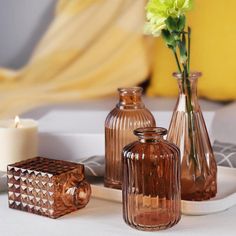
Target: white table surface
[[105, 218]]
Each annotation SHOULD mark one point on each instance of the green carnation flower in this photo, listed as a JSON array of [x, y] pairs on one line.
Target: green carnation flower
[[159, 10]]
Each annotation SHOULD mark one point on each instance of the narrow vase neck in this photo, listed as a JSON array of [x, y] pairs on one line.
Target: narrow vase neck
[[188, 89], [188, 85], [130, 98]]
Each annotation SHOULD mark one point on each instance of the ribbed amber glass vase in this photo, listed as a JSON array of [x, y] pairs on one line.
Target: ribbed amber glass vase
[[128, 115], [151, 185], [188, 131]]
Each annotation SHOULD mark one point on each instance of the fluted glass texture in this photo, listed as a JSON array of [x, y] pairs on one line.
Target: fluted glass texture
[[128, 115], [151, 184], [188, 131]]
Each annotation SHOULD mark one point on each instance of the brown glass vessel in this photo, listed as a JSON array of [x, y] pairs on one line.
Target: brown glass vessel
[[188, 131], [47, 187], [128, 115], [151, 181]]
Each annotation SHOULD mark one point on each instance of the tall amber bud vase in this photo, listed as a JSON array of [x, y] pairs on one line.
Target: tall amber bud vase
[[188, 131], [128, 115]]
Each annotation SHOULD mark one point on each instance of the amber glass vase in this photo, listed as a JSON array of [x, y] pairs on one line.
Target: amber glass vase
[[188, 131], [151, 181], [128, 115]]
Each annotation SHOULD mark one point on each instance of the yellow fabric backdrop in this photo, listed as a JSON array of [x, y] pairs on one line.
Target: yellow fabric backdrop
[[91, 48]]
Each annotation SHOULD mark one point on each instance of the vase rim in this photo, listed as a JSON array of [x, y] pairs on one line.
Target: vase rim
[[150, 131], [130, 90], [192, 75]]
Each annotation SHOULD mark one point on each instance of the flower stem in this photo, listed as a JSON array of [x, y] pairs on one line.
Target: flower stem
[[189, 48], [190, 111], [177, 60]]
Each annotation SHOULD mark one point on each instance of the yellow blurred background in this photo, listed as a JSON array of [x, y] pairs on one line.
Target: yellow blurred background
[[92, 47]]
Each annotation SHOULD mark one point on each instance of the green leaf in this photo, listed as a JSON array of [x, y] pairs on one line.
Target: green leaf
[[176, 36], [171, 24], [168, 38], [181, 23], [183, 50], [183, 53], [166, 35]]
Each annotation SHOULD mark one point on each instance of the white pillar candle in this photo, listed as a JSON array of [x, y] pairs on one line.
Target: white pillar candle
[[18, 141]]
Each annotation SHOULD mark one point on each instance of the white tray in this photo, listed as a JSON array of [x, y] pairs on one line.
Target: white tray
[[225, 199]]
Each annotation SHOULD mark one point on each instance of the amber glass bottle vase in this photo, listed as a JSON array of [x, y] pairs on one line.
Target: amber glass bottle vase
[[151, 181], [128, 115], [188, 131]]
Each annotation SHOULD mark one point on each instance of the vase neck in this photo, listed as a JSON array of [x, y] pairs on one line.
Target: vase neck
[[188, 89], [150, 134], [130, 98], [188, 85]]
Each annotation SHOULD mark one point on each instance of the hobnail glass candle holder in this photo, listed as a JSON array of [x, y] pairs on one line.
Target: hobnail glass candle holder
[[47, 187]]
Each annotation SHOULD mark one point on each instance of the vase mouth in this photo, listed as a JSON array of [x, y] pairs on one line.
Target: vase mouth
[[130, 98], [130, 90], [150, 132], [192, 75]]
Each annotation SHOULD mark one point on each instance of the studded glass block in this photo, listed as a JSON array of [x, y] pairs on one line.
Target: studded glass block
[[47, 187]]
